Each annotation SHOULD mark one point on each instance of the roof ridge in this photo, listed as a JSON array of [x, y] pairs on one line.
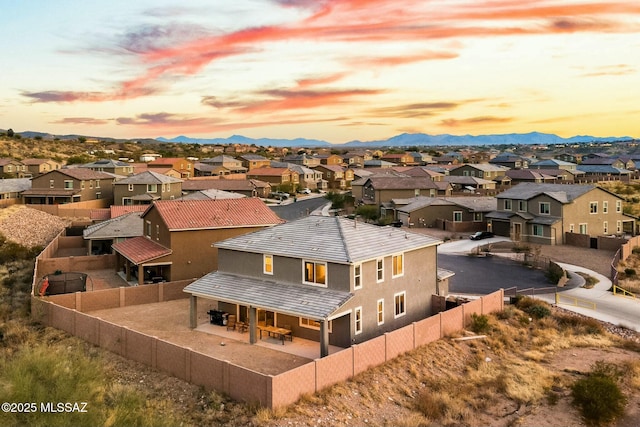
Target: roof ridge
[[343, 237]]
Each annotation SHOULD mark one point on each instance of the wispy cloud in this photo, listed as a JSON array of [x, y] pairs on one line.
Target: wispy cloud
[[423, 109], [453, 123], [81, 121], [611, 70]]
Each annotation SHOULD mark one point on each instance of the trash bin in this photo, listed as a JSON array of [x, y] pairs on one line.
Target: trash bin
[[225, 319]]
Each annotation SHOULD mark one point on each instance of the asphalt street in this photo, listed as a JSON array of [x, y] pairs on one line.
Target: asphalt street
[[291, 210]]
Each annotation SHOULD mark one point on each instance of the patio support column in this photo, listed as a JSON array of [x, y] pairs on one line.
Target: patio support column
[[253, 315], [324, 338], [193, 312]]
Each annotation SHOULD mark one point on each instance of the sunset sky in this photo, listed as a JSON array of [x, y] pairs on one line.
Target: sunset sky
[[336, 70]]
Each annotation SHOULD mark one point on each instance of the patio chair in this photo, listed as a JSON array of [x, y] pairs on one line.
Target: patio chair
[[231, 322]]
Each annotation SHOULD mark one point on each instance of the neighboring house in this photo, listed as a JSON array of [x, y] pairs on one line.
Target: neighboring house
[[302, 160], [326, 279], [205, 169], [478, 156], [481, 170], [528, 175], [569, 157], [229, 163], [510, 161], [420, 158], [378, 190], [446, 160], [554, 164], [402, 159], [146, 187], [615, 162], [564, 176], [68, 186], [182, 165], [115, 167], [212, 194], [11, 188], [604, 171], [468, 184], [254, 161], [36, 167], [282, 178], [178, 237], [149, 157], [307, 177], [456, 214], [354, 160], [10, 168], [246, 187], [543, 213], [377, 163], [330, 159], [101, 236], [337, 177]]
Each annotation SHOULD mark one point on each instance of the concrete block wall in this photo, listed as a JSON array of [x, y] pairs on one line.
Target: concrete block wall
[[400, 341], [369, 354]]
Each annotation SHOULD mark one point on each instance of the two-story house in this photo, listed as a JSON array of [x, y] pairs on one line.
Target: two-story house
[[337, 177], [182, 165], [254, 161], [115, 167], [327, 279], [246, 187], [178, 236], [229, 163], [510, 161], [481, 170], [68, 186], [543, 213], [302, 160], [35, 167], [378, 190], [146, 187], [455, 214], [280, 178], [402, 159], [330, 159], [10, 168]]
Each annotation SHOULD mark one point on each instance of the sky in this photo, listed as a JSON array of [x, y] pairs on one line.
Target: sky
[[334, 70]]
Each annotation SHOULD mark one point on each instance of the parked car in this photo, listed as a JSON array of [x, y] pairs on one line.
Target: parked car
[[280, 195], [479, 235], [304, 191]]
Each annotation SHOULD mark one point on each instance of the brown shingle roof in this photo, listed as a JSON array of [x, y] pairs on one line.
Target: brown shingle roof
[[206, 214], [84, 173], [140, 249], [268, 171], [222, 184]]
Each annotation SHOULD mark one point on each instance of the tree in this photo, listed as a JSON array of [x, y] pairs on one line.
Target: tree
[[82, 139], [368, 212], [10, 133]]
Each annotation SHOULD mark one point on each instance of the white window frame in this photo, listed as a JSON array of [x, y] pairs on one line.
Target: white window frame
[[580, 228], [315, 264], [266, 257], [477, 217], [380, 311], [357, 276], [130, 187], [152, 188], [537, 230], [394, 273], [68, 184], [82, 185], [457, 214], [618, 226], [605, 207], [403, 295], [546, 211], [522, 205], [572, 228], [313, 324], [149, 229], [379, 270], [605, 227], [97, 183], [593, 208], [357, 320], [52, 183], [618, 206], [508, 204]]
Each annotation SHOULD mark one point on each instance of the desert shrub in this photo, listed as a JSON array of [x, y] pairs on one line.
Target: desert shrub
[[579, 324], [480, 323], [598, 395], [533, 307], [539, 311], [630, 271], [554, 275], [635, 250]]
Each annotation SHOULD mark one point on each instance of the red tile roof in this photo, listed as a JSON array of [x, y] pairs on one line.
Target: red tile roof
[[117, 210], [207, 214], [140, 249], [100, 214]]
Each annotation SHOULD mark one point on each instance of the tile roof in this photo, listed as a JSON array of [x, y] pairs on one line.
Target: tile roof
[[139, 250], [332, 239], [207, 214], [212, 194], [117, 210], [148, 177], [100, 214], [296, 300], [267, 171], [400, 183], [564, 193], [127, 225], [14, 185], [196, 184], [603, 169]]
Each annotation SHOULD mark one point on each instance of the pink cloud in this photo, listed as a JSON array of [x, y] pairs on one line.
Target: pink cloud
[[81, 121], [474, 121]]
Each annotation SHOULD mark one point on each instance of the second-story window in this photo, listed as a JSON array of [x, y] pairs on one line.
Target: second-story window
[[605, 207], [51, 183], [130, 187], [507, 204], [68, 184], [357, 276], [618, 206], [593, 207], [357, 320], [152, 188], [315, 273], [545, 208], [398, 265], [522, 205], [267, 264], [380, 270]]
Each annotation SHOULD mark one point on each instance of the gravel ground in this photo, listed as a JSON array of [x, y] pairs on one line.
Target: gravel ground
[[30, 227]]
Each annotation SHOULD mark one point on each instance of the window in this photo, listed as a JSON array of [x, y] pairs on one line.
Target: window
[[157, 231], [507, 204], [152, 188], [605, 207], [618, 226], [91, 184], [168, 186], [605, 227], [149, 229], [380, 311], [593, 207], [618, 206], [357, 276], [164, 187], [130, 187], [315, 273], [127, 201], [400, 308], [82, 185], [537, 230], [313, 324], [571, 228], [457, 216], [583, 228], [416, 192], [357, 320], [380, 270], [97, 183], [545, 208], [98, 195], [68, 184], [51, 183], [267, 264], [398, 265], [477, 217], [522, 205]]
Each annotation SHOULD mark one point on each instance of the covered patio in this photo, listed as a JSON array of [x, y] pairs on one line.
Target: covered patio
[[316, 305]]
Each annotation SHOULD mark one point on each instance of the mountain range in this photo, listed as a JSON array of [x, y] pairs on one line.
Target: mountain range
[[408, 139]]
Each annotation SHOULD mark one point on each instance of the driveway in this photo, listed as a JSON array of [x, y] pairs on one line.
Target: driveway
[[466, 246]]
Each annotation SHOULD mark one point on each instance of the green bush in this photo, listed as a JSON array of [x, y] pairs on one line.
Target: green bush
[[539, 311], [533, 307], [635, 250], [480, 323], [598, 396]]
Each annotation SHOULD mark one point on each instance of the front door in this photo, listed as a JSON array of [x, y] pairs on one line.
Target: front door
[[517, 230], [266, 318]]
